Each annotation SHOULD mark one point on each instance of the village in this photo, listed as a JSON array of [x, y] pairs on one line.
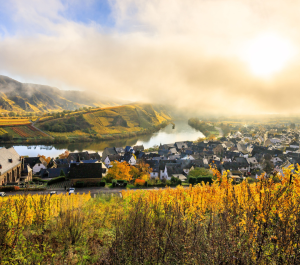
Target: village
[[253, 153]]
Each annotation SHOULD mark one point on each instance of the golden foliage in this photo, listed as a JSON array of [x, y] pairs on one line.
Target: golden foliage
[[119, 170]]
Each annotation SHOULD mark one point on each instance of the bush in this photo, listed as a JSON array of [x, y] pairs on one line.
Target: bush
[[79, 184], [192, 180], [205, 180], [251, 180], [56, 180], [7, 188], [102, 183], [119, 183], [175, 181], [139, 182], [37, 179]]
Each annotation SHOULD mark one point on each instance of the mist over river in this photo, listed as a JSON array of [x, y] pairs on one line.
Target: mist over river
[[181, 132]]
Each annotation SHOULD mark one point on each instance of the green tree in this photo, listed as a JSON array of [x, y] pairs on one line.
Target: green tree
[[62, 173]]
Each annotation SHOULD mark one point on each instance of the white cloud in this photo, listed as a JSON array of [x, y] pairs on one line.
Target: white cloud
[[172, 51]]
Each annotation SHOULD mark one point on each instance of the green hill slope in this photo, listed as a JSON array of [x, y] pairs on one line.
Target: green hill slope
[[107, 121]]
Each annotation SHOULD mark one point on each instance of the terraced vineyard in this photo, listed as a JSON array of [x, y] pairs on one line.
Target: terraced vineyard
[[27, 131], [11, 122], [2, 131]]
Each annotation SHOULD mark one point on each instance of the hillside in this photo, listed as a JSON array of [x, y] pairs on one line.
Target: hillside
[[106, 121], [20, 97]]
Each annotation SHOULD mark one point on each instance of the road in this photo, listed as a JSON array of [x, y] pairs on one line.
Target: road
[[93, 190]]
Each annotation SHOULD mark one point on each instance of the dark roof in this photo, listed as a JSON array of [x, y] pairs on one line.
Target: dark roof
[[83, 170], [86, 161], [114, 158], [128, 148], [120, 150], [108, 151], [138, 148], [242, 162], [173, 169], [31, 161], [54, 172], [154, 164], [162, 163], [126, 157], [61, 161], [83, 156], [180, 145], [163, 152]]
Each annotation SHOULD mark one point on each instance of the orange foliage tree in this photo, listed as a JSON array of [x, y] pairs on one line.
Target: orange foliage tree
[[119, 170], [47, 159], [141, 171], [64, 155]]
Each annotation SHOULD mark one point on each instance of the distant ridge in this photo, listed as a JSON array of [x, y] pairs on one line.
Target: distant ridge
[[22, 97]]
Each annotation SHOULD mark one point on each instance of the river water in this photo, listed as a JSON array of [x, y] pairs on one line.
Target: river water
[[181, 132]]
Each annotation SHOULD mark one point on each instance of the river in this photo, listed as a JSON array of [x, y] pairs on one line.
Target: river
[[181, 132]]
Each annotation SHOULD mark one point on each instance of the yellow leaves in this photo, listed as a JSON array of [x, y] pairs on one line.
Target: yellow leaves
[[120, 170], [42, 206]]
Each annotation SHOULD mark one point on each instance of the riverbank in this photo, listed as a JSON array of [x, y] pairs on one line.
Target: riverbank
[[82, 139]]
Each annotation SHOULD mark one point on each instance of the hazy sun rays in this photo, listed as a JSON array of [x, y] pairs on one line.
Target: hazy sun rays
[[268, 54]]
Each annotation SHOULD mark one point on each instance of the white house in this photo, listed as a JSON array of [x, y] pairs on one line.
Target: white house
[[275, 160], [38, 167]]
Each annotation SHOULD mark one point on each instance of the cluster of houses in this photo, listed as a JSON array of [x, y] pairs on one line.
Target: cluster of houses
[[255, 153], [242, 154]]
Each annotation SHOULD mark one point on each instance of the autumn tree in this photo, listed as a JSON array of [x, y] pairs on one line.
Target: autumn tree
[[119, 170], [141, 171], [46, 159], [64, 155]]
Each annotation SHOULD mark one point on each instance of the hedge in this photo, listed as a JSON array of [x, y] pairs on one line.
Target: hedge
[[119, 183], [9, 188], [56, 180], [193, 180]]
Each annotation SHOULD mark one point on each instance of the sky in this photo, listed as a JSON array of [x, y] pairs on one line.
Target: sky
[[205, 56]]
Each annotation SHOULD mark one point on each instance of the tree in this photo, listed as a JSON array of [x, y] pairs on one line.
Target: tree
[[119, 170], [62, 173], [64, 155], [46, 159], [141, 171], [200, 171], [12, 114]]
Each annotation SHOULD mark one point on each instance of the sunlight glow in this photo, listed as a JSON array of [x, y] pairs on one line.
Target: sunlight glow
[[268, 54]]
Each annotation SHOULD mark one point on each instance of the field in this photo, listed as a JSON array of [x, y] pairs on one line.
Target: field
[[27, 131], [221, 223], [11, 122]]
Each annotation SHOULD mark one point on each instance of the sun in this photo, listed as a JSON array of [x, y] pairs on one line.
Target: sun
[[268, 54]]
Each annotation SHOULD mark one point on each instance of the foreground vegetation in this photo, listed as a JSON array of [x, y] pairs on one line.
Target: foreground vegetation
[[219, 223]]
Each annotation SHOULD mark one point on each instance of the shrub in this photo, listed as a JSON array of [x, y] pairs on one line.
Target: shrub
[[192, 180], [79, 184], [119, 183], [250, 180], [139, 182], [102, 183], [7, 188], [205, 180], [56, 180]]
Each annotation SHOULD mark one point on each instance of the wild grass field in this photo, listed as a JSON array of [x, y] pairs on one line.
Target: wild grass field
[[220, 223]]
